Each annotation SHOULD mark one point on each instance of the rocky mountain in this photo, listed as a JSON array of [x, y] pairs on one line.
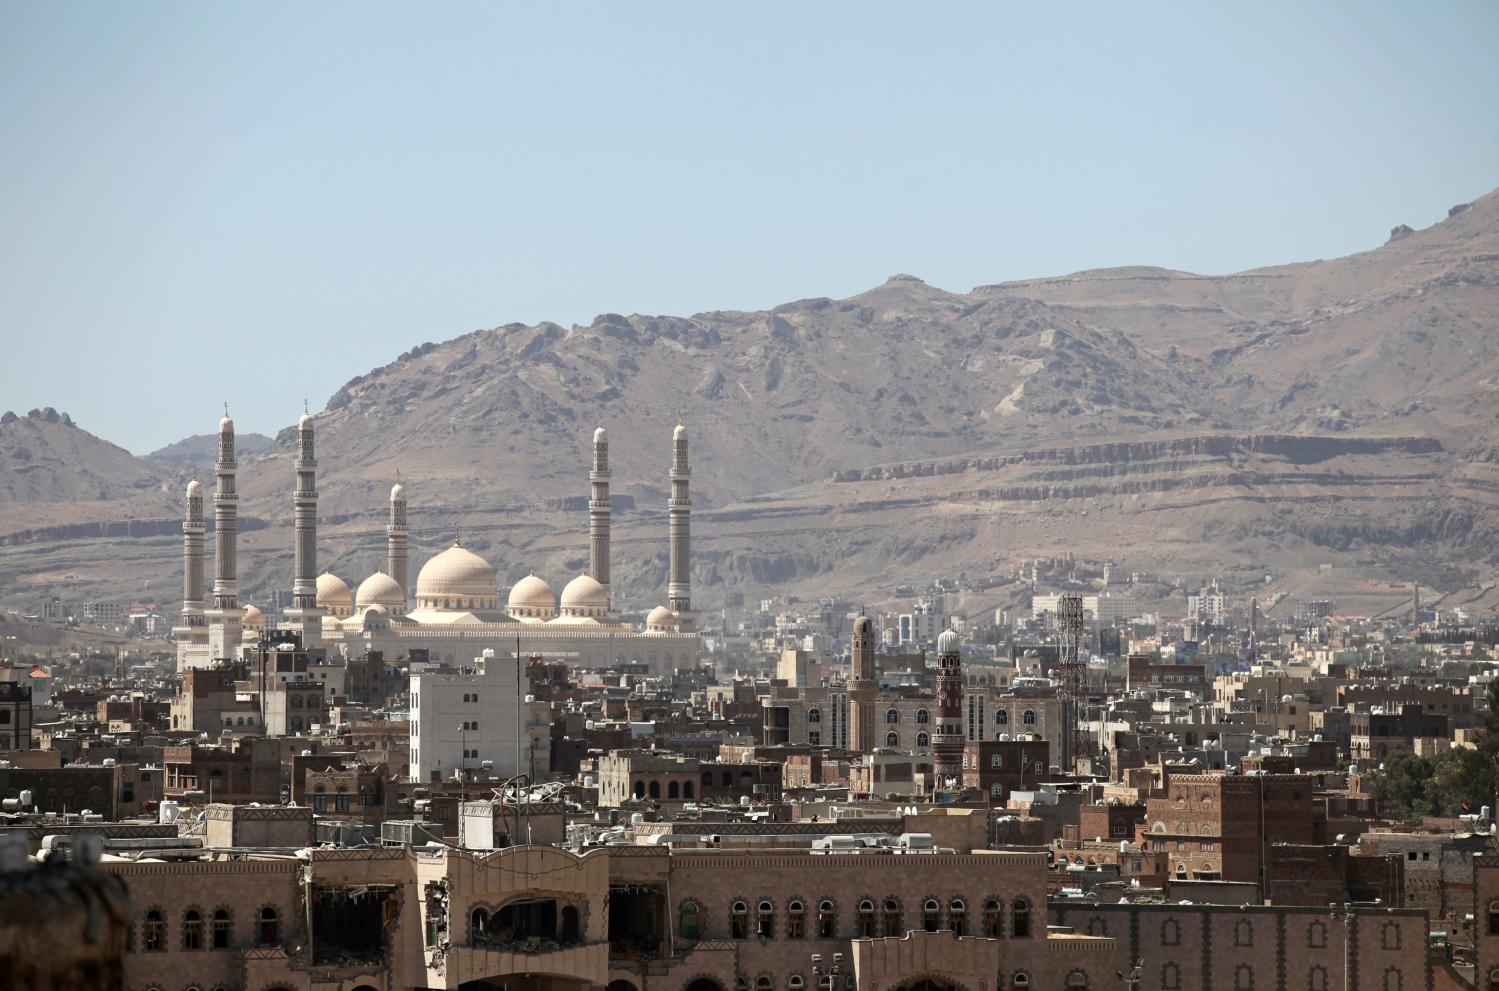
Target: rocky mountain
[[200, 450], [1275, 421]]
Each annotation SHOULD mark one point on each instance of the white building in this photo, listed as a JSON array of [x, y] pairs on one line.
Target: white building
[[466, 719]]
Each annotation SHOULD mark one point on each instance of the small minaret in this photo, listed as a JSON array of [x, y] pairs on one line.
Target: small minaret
[[679, 530], [396, 538], [863, 689], [304, 614], [598, 510], [224, 629], [947, 740], [862, 653]]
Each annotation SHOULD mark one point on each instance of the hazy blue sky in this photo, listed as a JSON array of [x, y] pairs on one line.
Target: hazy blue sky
[[256, 202]]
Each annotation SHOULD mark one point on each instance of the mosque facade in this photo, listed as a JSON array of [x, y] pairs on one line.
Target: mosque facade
[[453, 611]]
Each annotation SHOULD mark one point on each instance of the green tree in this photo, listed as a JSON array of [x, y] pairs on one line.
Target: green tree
[[1401, 786]]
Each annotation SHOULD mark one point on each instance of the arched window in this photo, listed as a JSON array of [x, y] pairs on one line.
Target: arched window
[[1243, 933], [827, 920], [639, 789], [765, 920], [739, 920], [796, 917], [1393, 981], [221, 931], [1020, 918], [478, 922], [1389, 937], [687, 790], [1077, 981], [1118, 827], [296, 701], [1022, 980], [296, 724], [1028, 717], [866, 919], [1316, 978], [892, 918], [795, 982], [814, 715], [1097, 926], [1001, 717], [727, 780], [270, 926], [922, 739], [655, 789], [1171, 933], [1243, 978], [994, 919], [673, 790], [1171, 977], [957, 915], [1494, 979], [1316, 936], [762, 983], [689, 920], [154, 932], [931, 915], [891, 739], [892, 717], [192, 930], [996, 762], [922, 716]]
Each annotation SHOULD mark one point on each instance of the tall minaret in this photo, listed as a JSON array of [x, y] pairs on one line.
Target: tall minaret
[[192, 635], [679, 530], [947, 740], [863, 689], [224, 630], [598, 510], [304, 614], [395, 538]]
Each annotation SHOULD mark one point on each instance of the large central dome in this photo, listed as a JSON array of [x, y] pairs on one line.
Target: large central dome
[[457, 579]]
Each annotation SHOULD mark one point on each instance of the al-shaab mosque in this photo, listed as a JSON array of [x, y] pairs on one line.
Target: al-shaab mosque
[[454, 611]]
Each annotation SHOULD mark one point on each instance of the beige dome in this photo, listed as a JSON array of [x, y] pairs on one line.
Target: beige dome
[[457, 579], [380, 589], [253, 617], [194, 488], [531, 599], [660, 618], [584, 596], [397, 492]]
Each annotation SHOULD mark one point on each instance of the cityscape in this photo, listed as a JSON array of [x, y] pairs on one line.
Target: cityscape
[[1128, 628]]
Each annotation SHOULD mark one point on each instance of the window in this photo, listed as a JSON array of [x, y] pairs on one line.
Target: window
[[866, 919], [994, 919], [1022, 980], [892, 918], [922, 739], [931, 915], [762, 983], [655, 789], [739, 920], [1316, 978], [1171, 933], [814, 715], [765, 924], [1243, 933], [891, 716], [1001, 717], [221, 929], [689, 920], [795, 983], [1393, 981], [192, 930], [1171, 977], [922, 716], [1077, 981], [1494, 917], [154, 932], [1020, 918], [795, 918], [814, 738], [1316, 936], [891, 739], [827, 921], [1389, 937], [1097, 926], [1028, 717], [956, 915], [996, 762], [673, 790], [1243, 978], [270, 928]]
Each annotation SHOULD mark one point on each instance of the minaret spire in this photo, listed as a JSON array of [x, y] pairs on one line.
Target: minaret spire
[[304, 613], [599, 510], [679, 530], [396, 537], [224, 620]]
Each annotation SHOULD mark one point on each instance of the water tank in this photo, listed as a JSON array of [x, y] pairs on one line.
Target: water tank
[[26, 802], [744, 801], [636, 818], [168, 812], [1484, 813]]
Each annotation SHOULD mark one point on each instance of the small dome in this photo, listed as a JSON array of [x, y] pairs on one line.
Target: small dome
[[253, 617], [660, 618], [332, 591], [948, 643], [680, 433], [532, 598], [375, 617], [457, 573], [863, 627], [380, 589], [194, 488], [397, 492], [600, 436], [226, 425], [304, 422], [584, 596]]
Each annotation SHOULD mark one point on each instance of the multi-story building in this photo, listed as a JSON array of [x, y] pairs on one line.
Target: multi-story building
[[467, 718], [15, 716]]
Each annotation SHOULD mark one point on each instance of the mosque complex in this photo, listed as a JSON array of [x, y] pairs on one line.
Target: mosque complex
[[454, 611]]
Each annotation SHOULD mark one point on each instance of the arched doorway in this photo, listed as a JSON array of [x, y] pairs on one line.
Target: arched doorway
[[621, 985], [703, 984], [931, 983]]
